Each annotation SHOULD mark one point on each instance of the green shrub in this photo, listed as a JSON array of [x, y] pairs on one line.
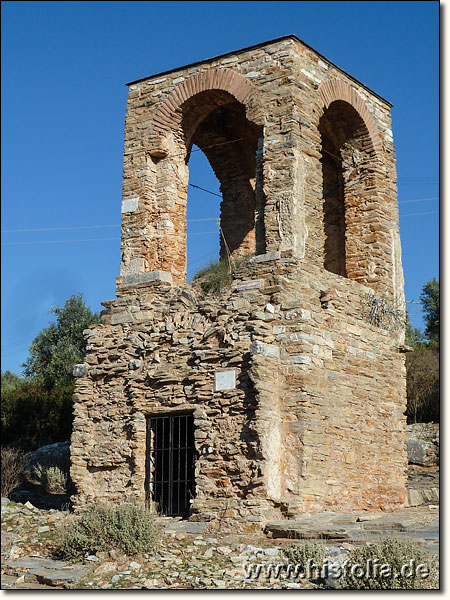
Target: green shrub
[[53, 479], [130, 528], [299, 554], [12, 470], [396, 553]]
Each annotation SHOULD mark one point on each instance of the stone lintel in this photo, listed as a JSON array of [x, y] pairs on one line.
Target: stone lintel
[[150, 277]]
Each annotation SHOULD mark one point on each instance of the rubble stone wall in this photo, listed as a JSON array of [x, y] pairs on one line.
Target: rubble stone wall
[[316, 419]]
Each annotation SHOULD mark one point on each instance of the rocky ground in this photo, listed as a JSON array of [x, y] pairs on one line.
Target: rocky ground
[[191, 555]]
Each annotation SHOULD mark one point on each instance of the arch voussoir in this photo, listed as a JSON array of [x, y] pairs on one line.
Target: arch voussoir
[[337, 89], [168, 114]]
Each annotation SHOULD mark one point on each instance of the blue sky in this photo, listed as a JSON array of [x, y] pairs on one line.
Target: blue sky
[[64, 66]]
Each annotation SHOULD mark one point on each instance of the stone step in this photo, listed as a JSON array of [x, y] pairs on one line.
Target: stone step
[[303, 531]]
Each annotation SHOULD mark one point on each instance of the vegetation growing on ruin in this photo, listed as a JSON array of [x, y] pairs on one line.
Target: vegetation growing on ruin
[[219, 274], [216, 276]]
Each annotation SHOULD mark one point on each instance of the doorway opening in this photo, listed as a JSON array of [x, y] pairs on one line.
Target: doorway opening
[[170, 461]]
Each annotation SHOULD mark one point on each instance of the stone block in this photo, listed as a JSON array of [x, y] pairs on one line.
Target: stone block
[[80, 370], [225, 380], [269, 350], [129, 205], [300, 360], [421, 452], [150, 277], [261, 258], [119, 318], [135, 363], [251, 284]]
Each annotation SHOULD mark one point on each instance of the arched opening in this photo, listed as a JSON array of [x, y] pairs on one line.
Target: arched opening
[[346, 149], [216, 123], [202, 215]]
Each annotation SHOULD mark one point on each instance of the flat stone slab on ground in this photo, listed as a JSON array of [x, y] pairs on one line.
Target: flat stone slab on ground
[[194, 527], [307, 531], [9, 582], [333, 526], [47, 570]]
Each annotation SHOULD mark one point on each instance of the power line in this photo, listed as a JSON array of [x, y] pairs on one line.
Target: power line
[[220, 144], [432, 212], [197, 220], [417, 178], [202, 232], [58, 241], [188, 220], [14, 351], [418, 200], [57, 228], [86, 226], [205, 190], [191, 262], [86, 240], [9, 345]]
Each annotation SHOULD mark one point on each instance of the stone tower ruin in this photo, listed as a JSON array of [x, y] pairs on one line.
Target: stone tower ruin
[[285, 391]]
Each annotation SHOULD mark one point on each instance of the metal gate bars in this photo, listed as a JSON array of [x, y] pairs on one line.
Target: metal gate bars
[[170, 463]]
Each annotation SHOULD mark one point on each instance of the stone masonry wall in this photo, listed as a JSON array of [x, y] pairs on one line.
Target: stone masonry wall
[[316, 420]]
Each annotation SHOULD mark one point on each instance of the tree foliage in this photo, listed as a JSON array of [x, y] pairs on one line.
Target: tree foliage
[[422, 384], [37, 409], [429, 299], [412, 334], [422, 364], [32, 415], [10, 381], [58, 347]]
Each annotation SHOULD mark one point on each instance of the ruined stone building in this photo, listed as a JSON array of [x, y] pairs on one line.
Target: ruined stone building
[[284, 392]]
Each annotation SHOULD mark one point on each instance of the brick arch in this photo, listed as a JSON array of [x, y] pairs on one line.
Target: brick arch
[[337, 89], [168, 115]]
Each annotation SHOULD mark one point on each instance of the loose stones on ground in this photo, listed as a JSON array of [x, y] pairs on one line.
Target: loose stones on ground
[[188, 559]]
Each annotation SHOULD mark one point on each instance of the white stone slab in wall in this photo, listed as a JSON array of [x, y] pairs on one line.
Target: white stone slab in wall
[[225, 380]]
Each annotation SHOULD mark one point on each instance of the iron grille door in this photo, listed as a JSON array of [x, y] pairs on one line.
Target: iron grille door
[[170, 462]]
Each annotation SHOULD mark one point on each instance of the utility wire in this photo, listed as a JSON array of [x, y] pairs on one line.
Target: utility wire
[[8, 346], [432, 212], [59, 241], [86, 240], [188, 220], [57, 228], [220, 144], [418, 200], [205, 190], [86, 226]]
